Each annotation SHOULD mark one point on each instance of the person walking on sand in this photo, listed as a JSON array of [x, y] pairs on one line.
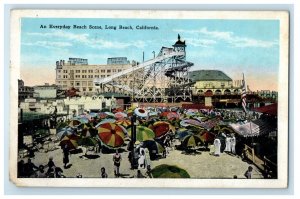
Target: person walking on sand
[[141, 160], [117, 162], [248, 173], [233, 143], [66, 153], [217, 146]]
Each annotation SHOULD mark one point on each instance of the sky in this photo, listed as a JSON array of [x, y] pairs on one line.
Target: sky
[[233, 46]]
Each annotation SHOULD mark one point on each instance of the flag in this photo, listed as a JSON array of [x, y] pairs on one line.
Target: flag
[[243, 96]]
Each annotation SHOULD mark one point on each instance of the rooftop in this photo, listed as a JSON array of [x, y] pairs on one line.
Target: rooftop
[[209, 75]]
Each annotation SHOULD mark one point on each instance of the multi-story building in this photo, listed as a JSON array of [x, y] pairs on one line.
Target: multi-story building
[[77, 73]]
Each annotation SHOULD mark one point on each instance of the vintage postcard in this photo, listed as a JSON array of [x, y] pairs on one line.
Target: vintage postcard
[[114, 98]]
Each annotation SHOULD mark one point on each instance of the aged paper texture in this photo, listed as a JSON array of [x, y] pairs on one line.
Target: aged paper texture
[[114, 98]]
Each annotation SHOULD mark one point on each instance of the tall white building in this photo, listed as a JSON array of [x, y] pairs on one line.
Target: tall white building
[[77, 73]]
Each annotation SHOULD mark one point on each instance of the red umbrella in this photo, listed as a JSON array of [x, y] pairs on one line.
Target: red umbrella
[[172, 115], [111, 135], [160, 128], [165, 114], [207, 136]]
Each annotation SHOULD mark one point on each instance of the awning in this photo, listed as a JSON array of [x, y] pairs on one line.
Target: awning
[[269, 109], [254, 128]]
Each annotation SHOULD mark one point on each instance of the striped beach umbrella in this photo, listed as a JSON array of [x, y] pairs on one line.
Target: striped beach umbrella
[[143, 133], [70, 140], [192, 141], [111, 135], [124, 122]]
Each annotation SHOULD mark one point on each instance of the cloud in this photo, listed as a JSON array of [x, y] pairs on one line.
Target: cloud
[[201, 42], [48, 44], [85, 39], [230, 38]]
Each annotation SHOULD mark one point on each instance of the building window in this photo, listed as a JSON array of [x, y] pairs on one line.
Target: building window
[[59, 71], [96, 71], [77, 83], [83, 71], [83, 76], [77, 71], [90, 71], [102, 71], [90, 76], [83, 89], [108, 71], [102, 76], [96, 76], [90, 89], [65, 71], [108, 75], [77, 76], [114, 70], [58, 76], [119, 70]]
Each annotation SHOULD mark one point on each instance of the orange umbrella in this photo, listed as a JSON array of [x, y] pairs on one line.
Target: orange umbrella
[[111, 135]]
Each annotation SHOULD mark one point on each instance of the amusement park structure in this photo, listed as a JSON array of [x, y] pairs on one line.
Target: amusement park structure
[[165, 78]]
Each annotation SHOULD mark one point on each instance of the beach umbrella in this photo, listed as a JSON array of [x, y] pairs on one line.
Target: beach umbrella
[[65, 132], [154, 146], [102, 115], [173, 115], [169, 171], [192, 122], [160, 128], [87, 141], [124, 122], [192, 141], [70, 141], [143, 133], [183, 123], [105, 121], [165, 114], [141, 112], [207, 136], [152, 113], [74, 122], [84, 126], [111, 135], [93, 114], [182, 134], [118, 110], [120, 115]]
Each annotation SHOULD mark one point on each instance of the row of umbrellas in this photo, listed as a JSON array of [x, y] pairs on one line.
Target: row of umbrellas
[[111, 129]]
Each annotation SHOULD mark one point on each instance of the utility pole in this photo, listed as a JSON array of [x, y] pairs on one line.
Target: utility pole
[[133, 138]]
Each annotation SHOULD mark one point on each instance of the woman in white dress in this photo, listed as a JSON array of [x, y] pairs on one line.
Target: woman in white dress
[[217, 146], [233, 143], [228, 144]]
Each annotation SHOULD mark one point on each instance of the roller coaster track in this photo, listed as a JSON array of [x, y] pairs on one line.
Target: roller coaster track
[[150, 62]]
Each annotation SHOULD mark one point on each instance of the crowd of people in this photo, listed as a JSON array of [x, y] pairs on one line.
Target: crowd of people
[[139, 154]]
